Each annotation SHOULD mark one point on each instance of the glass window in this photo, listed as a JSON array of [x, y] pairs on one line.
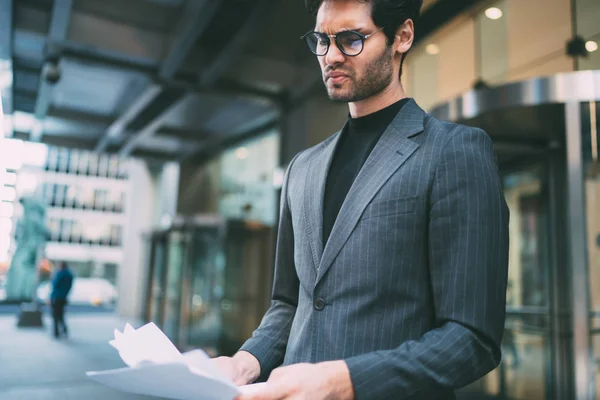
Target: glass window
[[424, 74], [175, 270], [247, 180]]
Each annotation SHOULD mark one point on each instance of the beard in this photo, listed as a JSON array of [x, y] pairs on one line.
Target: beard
[[377, 76]]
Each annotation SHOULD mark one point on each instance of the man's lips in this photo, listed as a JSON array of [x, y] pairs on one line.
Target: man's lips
[[336, 77]]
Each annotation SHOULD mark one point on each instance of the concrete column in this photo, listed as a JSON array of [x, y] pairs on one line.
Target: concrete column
[[166, 195], [152, 200]]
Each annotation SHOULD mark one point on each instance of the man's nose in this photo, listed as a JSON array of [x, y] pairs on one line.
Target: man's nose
[[334, 55]]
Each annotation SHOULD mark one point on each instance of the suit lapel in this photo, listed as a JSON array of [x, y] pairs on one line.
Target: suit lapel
[[391, 151], [316, 179]]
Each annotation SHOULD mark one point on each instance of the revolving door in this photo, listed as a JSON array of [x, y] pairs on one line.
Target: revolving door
[[208, 282], [546, 138]]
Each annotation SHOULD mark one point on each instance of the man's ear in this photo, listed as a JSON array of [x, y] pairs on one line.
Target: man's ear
[[405, 35]]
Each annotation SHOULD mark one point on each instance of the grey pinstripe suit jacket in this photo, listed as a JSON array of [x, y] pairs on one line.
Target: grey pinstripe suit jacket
[[410, 288]]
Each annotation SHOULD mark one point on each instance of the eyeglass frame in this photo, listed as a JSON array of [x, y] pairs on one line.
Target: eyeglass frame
[[362, 37]]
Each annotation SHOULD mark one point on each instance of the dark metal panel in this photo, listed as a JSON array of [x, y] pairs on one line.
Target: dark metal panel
[[186, 134], [71, 142], [580, 288], [23, 103], [562, 378], [119, 125], [25, 82], [110, 58], [80, 117], [217, 67], [152, 119], [61, 15], [224, 59], [6, 29], [196, 18]]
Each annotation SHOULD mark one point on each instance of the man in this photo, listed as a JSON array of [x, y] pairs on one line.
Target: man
[[392, 253], [61, 286]]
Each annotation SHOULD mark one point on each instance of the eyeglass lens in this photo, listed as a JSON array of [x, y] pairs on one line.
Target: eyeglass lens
[[348, 42]]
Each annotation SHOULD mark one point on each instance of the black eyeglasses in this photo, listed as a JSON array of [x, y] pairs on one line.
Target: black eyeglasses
[[351, 43]]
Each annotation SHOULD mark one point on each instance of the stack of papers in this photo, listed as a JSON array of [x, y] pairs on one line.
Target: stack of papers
[[156, 368]]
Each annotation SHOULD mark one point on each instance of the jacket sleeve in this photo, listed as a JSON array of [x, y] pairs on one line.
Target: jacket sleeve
[[468, 262], [269, 340]]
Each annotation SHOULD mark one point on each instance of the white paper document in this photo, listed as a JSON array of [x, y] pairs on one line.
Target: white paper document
[[156, 368]]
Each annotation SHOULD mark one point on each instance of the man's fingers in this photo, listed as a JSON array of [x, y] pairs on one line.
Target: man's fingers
[[264, 392]]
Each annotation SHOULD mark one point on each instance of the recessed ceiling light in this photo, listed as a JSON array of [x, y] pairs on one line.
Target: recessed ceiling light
[[493, 13], [432, 49], [591, 46]]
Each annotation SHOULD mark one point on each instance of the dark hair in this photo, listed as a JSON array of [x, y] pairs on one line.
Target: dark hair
[[389, 14]]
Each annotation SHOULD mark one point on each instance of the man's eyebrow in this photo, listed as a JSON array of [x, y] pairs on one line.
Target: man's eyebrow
[[360, 29]]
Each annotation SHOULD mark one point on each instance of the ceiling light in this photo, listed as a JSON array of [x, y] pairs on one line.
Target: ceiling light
[[493, 13], [591, 46], [432, 49], [241, 153]]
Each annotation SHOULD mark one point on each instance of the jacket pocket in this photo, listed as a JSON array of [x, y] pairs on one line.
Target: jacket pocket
[[382, 208]]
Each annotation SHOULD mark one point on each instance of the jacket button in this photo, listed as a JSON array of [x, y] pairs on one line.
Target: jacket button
[[319, 304]]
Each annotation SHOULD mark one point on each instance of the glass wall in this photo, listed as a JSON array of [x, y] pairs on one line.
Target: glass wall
[[591, 171], [247, 180], [491, 39], [499, 41], [423, 70]]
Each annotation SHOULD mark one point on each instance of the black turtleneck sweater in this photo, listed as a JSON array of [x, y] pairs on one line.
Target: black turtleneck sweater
[[355, 144]]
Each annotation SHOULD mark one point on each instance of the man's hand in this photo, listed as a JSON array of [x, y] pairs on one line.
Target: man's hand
[[324, 381], [243, 368]]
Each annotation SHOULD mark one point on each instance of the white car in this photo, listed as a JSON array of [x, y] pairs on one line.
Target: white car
[[85, 291]]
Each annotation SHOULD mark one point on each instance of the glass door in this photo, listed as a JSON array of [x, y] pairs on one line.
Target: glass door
[[590, 120], [156, 286], [207, 264], [527, 342]]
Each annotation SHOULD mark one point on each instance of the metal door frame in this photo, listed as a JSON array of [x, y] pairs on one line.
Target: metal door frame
[[543, 160]]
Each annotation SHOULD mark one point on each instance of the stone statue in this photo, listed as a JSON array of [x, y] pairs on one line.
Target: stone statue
[[31, 237]]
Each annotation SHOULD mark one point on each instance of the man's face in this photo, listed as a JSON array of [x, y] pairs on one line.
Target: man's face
[[351, 79]]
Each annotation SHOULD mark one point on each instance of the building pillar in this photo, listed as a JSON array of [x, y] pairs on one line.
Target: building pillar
[[151, 202]]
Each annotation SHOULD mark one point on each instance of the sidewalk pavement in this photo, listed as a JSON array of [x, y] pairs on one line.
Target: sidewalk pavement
[[34, 365]]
